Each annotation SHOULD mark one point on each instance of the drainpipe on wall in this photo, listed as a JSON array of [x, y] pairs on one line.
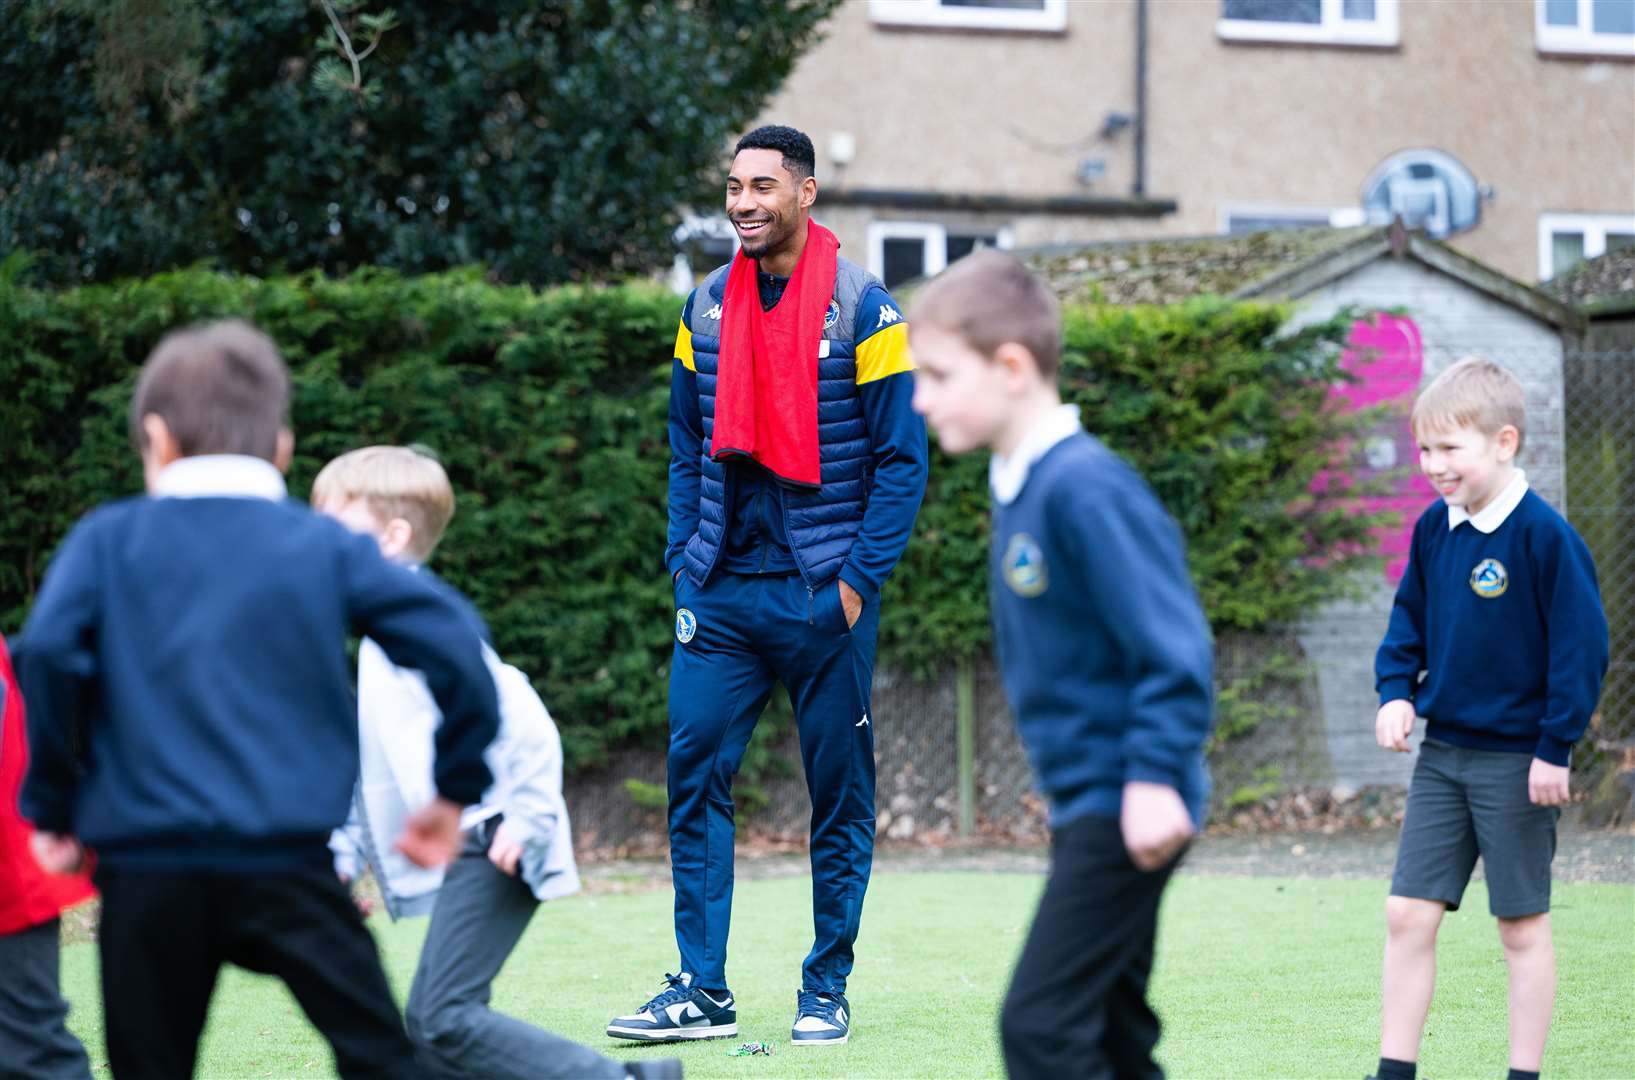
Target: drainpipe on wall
[[1139, 187]]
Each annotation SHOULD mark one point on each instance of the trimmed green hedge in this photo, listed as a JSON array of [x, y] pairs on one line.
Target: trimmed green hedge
[[548, 409]]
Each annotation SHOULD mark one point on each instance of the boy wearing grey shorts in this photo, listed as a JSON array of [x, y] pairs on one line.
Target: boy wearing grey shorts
[[1500, 612]]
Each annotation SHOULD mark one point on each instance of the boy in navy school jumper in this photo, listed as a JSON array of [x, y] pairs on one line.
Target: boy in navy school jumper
[[185, 661], [519, 842], [1500, 610], [1106, 659]]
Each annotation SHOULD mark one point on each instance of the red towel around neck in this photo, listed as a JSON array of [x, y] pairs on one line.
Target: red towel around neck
[[766, 386]]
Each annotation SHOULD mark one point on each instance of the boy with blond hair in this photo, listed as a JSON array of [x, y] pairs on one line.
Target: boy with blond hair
[[1106, 660], [518, 850], [190, 719], [1500, 611]]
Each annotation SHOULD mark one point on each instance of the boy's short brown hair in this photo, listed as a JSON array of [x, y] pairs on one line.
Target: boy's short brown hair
[[394, 482], [991, 299], [1472, 393], [221, 388]]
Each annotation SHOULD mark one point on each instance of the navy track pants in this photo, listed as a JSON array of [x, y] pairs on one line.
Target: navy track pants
[[736, 636]]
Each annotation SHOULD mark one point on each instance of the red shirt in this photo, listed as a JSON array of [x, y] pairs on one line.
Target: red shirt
[[28, 895]]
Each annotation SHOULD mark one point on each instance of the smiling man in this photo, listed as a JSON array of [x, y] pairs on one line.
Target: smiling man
[[797, 465]]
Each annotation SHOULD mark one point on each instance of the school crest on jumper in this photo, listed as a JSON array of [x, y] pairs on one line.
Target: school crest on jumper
[[1024, 566], [686, 625], [1490, 579]]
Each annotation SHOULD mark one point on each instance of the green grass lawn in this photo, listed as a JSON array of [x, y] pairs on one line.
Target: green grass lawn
[[1256, 977]]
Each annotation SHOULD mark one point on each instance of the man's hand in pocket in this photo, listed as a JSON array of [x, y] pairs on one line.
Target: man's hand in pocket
[[851, 603]]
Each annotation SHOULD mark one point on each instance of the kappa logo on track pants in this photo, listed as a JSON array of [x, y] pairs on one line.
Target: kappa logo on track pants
[[743, 633]]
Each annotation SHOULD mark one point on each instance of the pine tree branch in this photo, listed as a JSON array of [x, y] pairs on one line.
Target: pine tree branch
[[346, 45]]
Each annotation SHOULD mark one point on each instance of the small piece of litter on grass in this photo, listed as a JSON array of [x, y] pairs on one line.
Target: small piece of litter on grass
[[751, 1049]]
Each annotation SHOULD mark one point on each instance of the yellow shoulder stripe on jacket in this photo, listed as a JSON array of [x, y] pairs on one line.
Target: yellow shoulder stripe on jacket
[[684, 346], [884, 353]]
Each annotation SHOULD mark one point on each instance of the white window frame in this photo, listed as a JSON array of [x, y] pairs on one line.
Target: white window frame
[[933, 237], [933, 244], [1581, 39], [1333, 217], [1594, 227], [1334, 29], [1052, 19]]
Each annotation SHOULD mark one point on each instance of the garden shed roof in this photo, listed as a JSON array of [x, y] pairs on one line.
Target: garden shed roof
[[1276, 265], [1604, 285]]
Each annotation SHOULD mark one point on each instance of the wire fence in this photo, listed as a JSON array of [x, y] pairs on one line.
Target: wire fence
[[948, 763], [1294, 708], [1599, 406]]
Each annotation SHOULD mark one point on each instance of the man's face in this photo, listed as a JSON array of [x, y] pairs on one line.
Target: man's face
[[962, 394], [1467, 467], [765, 202]]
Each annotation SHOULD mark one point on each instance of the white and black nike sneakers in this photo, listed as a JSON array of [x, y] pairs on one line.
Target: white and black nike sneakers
[[679, 1012], [821, 1019]]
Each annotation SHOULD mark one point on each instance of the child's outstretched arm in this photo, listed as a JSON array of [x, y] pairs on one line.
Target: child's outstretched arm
[[57, 673], [1401, 656], [425, 626], [527, 762], [1576, 628], [1137, 582]]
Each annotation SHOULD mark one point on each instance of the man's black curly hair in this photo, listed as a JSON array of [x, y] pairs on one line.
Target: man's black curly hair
[[798, 156]]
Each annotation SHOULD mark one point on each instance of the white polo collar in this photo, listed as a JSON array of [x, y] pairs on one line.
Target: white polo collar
[[1008, 472], [219, 475], [1491, 516]]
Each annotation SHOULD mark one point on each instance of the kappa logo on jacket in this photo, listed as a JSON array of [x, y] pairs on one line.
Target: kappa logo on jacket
[[888, 315], [714, 313]]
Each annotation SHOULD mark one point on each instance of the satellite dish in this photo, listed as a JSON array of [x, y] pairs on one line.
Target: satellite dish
[[1429, 189]]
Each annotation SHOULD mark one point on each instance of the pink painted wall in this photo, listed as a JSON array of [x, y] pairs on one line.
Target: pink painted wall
[[1386, 354]]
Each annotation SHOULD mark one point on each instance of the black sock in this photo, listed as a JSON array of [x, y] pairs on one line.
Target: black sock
[[1521, 1074], [715, 994], [1392, 1069]]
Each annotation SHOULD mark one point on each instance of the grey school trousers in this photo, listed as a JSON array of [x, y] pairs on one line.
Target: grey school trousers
[[34, 1044], [479, 916]]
